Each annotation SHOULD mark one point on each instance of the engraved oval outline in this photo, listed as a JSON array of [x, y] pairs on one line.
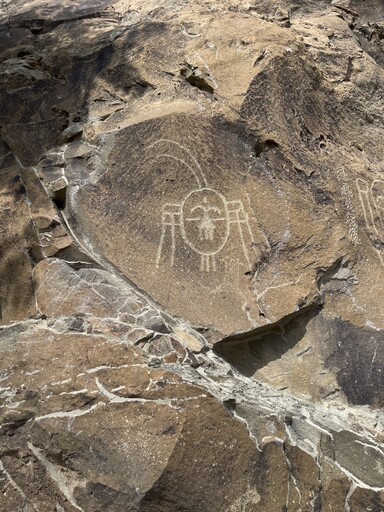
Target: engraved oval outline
[[182, 225]]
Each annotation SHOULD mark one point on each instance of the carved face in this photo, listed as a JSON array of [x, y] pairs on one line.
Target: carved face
[[205, 221]]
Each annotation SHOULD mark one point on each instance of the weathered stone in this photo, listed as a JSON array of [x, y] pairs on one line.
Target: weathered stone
[[134, 463], [17, 238], [202, 253], [84, 291], [360, 458], [360, 497], [287, 354], [178, 176]]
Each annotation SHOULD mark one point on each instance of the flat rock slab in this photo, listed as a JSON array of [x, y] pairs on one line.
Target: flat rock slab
[[111, 432], [182, 207]]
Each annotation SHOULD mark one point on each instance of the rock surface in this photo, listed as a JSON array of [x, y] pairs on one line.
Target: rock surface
[[192, 256]]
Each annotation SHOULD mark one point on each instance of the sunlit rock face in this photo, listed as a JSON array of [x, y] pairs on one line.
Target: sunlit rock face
[[182, 226], [191, 256]]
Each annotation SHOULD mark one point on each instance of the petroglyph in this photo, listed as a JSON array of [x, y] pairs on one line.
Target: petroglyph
[[206, 221], [372, 202], [347, 199], [203, 219]]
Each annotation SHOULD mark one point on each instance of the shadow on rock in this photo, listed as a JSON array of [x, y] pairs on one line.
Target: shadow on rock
[[249, 352], [51, 58]]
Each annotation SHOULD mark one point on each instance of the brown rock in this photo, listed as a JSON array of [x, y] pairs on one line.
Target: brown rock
[[176, 176], [18, 236]]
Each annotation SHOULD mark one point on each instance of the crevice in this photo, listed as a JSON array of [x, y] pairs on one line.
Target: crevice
[[330, 272], [9, 429], [259, 58], [195, 77], [250, 351], [263, 146], [59, 197], [349, 70], [79, 264], [370, 35]]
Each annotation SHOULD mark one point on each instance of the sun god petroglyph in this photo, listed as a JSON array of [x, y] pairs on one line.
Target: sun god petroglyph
[[204, 220]]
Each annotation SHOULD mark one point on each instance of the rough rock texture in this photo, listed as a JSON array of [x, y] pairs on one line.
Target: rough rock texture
[[191, 256]]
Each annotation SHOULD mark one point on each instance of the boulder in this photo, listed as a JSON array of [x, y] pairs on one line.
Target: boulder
[[191, 256]]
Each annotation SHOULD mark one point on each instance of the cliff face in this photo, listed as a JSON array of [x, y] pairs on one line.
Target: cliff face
[[192, 256]]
